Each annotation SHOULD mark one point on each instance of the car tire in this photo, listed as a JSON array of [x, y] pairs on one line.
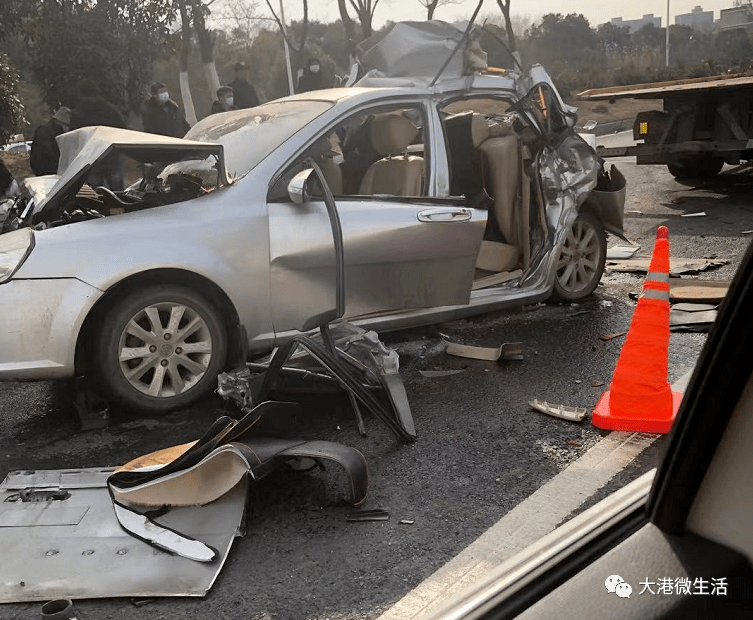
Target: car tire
[[581, 261], [701, 168], [160, 348]]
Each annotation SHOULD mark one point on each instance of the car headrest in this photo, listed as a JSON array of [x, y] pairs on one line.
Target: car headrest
[[391, 134]]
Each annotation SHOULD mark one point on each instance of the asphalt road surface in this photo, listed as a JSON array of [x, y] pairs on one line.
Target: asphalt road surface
[[481, 450]]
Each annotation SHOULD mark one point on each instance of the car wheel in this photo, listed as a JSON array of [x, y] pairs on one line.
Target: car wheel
[[581, 260], [160, 348]]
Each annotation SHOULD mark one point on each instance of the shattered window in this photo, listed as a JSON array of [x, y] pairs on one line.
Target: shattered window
[[248, 136]]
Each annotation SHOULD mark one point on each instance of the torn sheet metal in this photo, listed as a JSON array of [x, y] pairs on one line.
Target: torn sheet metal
[[41, 542], [572, 414], [508, 351], [434, 374], [681, 320], [355, 360], [415, 49], [622, 252], [677, 266], [698, 291], [688, 307]]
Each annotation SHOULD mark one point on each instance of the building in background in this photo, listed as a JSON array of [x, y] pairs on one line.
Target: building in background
[[697, 19], [636, 24], [736, 17]]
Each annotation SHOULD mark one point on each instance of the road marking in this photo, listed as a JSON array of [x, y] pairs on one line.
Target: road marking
[[533, 518]]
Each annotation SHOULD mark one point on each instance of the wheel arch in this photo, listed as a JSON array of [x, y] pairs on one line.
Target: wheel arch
[[236, 333]]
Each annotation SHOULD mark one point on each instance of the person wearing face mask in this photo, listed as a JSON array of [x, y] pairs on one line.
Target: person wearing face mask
[[244, 92], [45, 153], [162, 115], [312, 77], [225, 100]]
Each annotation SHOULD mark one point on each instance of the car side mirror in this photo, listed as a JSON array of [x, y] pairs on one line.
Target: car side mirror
[[299, 188]]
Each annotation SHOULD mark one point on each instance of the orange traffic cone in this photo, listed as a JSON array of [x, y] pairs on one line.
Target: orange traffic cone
[[640, 398]]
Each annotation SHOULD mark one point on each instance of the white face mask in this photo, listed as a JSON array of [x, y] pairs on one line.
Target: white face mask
[[163, 97], [314, 68], [228, 102]]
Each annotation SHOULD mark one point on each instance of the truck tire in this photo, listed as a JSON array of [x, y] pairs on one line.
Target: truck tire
[[160, 348], [701, 168], [582, 258]]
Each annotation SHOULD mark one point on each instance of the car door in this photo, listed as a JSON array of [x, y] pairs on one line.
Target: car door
[[400, 251]]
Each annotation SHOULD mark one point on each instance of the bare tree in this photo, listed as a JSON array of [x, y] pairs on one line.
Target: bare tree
[[185, 49], [433, 5], [206, 45], [504, 6], [364, 10], [298, 50]]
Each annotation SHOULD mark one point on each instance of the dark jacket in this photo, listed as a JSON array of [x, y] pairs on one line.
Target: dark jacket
[[311, 81], [6, 178], [244, 94], [96, 111], [165, 120], [217, 108], [45, 152]]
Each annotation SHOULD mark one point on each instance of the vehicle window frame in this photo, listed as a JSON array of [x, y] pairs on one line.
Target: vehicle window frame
[[455, 97], [372, 107]]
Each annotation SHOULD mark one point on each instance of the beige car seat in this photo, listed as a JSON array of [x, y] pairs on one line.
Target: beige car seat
[[502, 156], [398, 174]]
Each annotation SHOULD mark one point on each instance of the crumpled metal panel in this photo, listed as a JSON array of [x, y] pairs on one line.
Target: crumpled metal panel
[[569, 173], [57, 557], [416, 49]]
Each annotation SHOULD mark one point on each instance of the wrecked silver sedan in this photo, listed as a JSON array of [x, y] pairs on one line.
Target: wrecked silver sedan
[[469, 195]]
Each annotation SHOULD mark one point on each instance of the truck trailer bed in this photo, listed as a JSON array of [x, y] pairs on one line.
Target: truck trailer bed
[[660, 90]]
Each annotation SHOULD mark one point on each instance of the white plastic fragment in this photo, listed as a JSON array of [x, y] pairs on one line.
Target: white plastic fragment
[[572, 414]]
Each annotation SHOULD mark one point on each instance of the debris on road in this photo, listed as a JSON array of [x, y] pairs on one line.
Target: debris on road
[[376, 514], [38, 540], [434, 374], [686, 307], [698, 291], [580, 313], [697, 214], [343, 356], [406, 522], [607, 337], [622, 252], [692, 317], [678, 266], [572, 414], [496, 279], [133, 528], [597, 383], [508, 351]]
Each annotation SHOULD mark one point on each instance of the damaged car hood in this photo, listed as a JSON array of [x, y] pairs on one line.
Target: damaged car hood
[[84, 148]]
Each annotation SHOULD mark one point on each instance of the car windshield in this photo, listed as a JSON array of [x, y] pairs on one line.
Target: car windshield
[[248, 136]]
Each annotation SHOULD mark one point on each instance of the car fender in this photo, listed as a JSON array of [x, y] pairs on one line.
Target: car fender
[[224, 242]]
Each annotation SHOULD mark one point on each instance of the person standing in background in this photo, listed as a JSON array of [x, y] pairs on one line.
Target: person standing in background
[[225, 100], [244, 93], [312, 78], [162, 115], [45, 153]]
